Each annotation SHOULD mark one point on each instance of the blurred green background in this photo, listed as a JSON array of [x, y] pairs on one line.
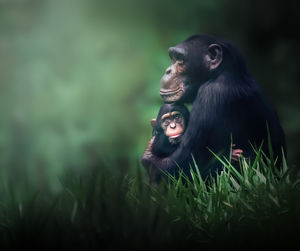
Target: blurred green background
[[80, 79]]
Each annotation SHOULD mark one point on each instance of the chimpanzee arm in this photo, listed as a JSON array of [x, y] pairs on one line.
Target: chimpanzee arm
[[148, 162]]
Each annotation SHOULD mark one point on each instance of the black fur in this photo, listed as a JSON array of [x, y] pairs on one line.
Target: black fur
[[225, 103]]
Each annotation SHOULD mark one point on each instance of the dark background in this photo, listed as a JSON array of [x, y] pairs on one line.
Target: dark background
[[79, 80]]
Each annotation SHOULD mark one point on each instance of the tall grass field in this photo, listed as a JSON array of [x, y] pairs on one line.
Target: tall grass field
[[255, 207]]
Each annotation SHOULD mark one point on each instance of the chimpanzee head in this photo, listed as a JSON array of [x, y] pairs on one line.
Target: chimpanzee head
[[172, 121], [194, 61]]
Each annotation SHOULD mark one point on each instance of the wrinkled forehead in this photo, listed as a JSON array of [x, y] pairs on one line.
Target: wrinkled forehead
[[169, 114]]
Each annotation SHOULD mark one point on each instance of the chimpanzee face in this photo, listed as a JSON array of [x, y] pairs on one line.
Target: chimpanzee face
[[173, 125], [192, 64]]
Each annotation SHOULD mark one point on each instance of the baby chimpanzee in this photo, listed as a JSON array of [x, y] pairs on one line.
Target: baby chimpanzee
[[168, 128]]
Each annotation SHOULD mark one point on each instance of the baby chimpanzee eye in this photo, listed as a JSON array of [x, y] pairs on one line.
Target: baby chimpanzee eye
[[166, 122], [177, 117]]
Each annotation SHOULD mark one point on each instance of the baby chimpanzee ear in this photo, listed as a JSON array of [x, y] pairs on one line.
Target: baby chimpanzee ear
[[153, 122], [154, 127]]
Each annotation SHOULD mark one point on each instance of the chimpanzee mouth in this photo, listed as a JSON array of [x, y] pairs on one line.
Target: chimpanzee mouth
[[171, 96], [175, 136], [174, 140], [168, 92]]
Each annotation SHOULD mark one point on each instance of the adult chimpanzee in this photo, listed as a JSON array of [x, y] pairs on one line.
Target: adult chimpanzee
[[168, 128], [227, 106]]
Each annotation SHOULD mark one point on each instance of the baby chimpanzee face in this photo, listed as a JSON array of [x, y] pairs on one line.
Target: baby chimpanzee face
[[173, 125]]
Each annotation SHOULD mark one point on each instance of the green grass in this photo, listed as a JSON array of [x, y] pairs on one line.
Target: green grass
[[257, 207]]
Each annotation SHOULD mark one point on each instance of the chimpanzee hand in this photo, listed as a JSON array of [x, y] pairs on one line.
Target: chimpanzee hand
[[236, 154]]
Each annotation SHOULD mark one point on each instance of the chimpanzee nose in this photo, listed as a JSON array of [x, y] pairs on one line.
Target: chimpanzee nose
[[173, 125]]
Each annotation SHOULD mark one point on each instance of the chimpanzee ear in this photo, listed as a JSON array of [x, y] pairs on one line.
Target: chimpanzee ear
[[153, 122], [215, 56]]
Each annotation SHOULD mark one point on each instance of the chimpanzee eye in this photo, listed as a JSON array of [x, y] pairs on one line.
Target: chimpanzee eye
[[179, 56], [166, 122], [180, 62], [177, 117]]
